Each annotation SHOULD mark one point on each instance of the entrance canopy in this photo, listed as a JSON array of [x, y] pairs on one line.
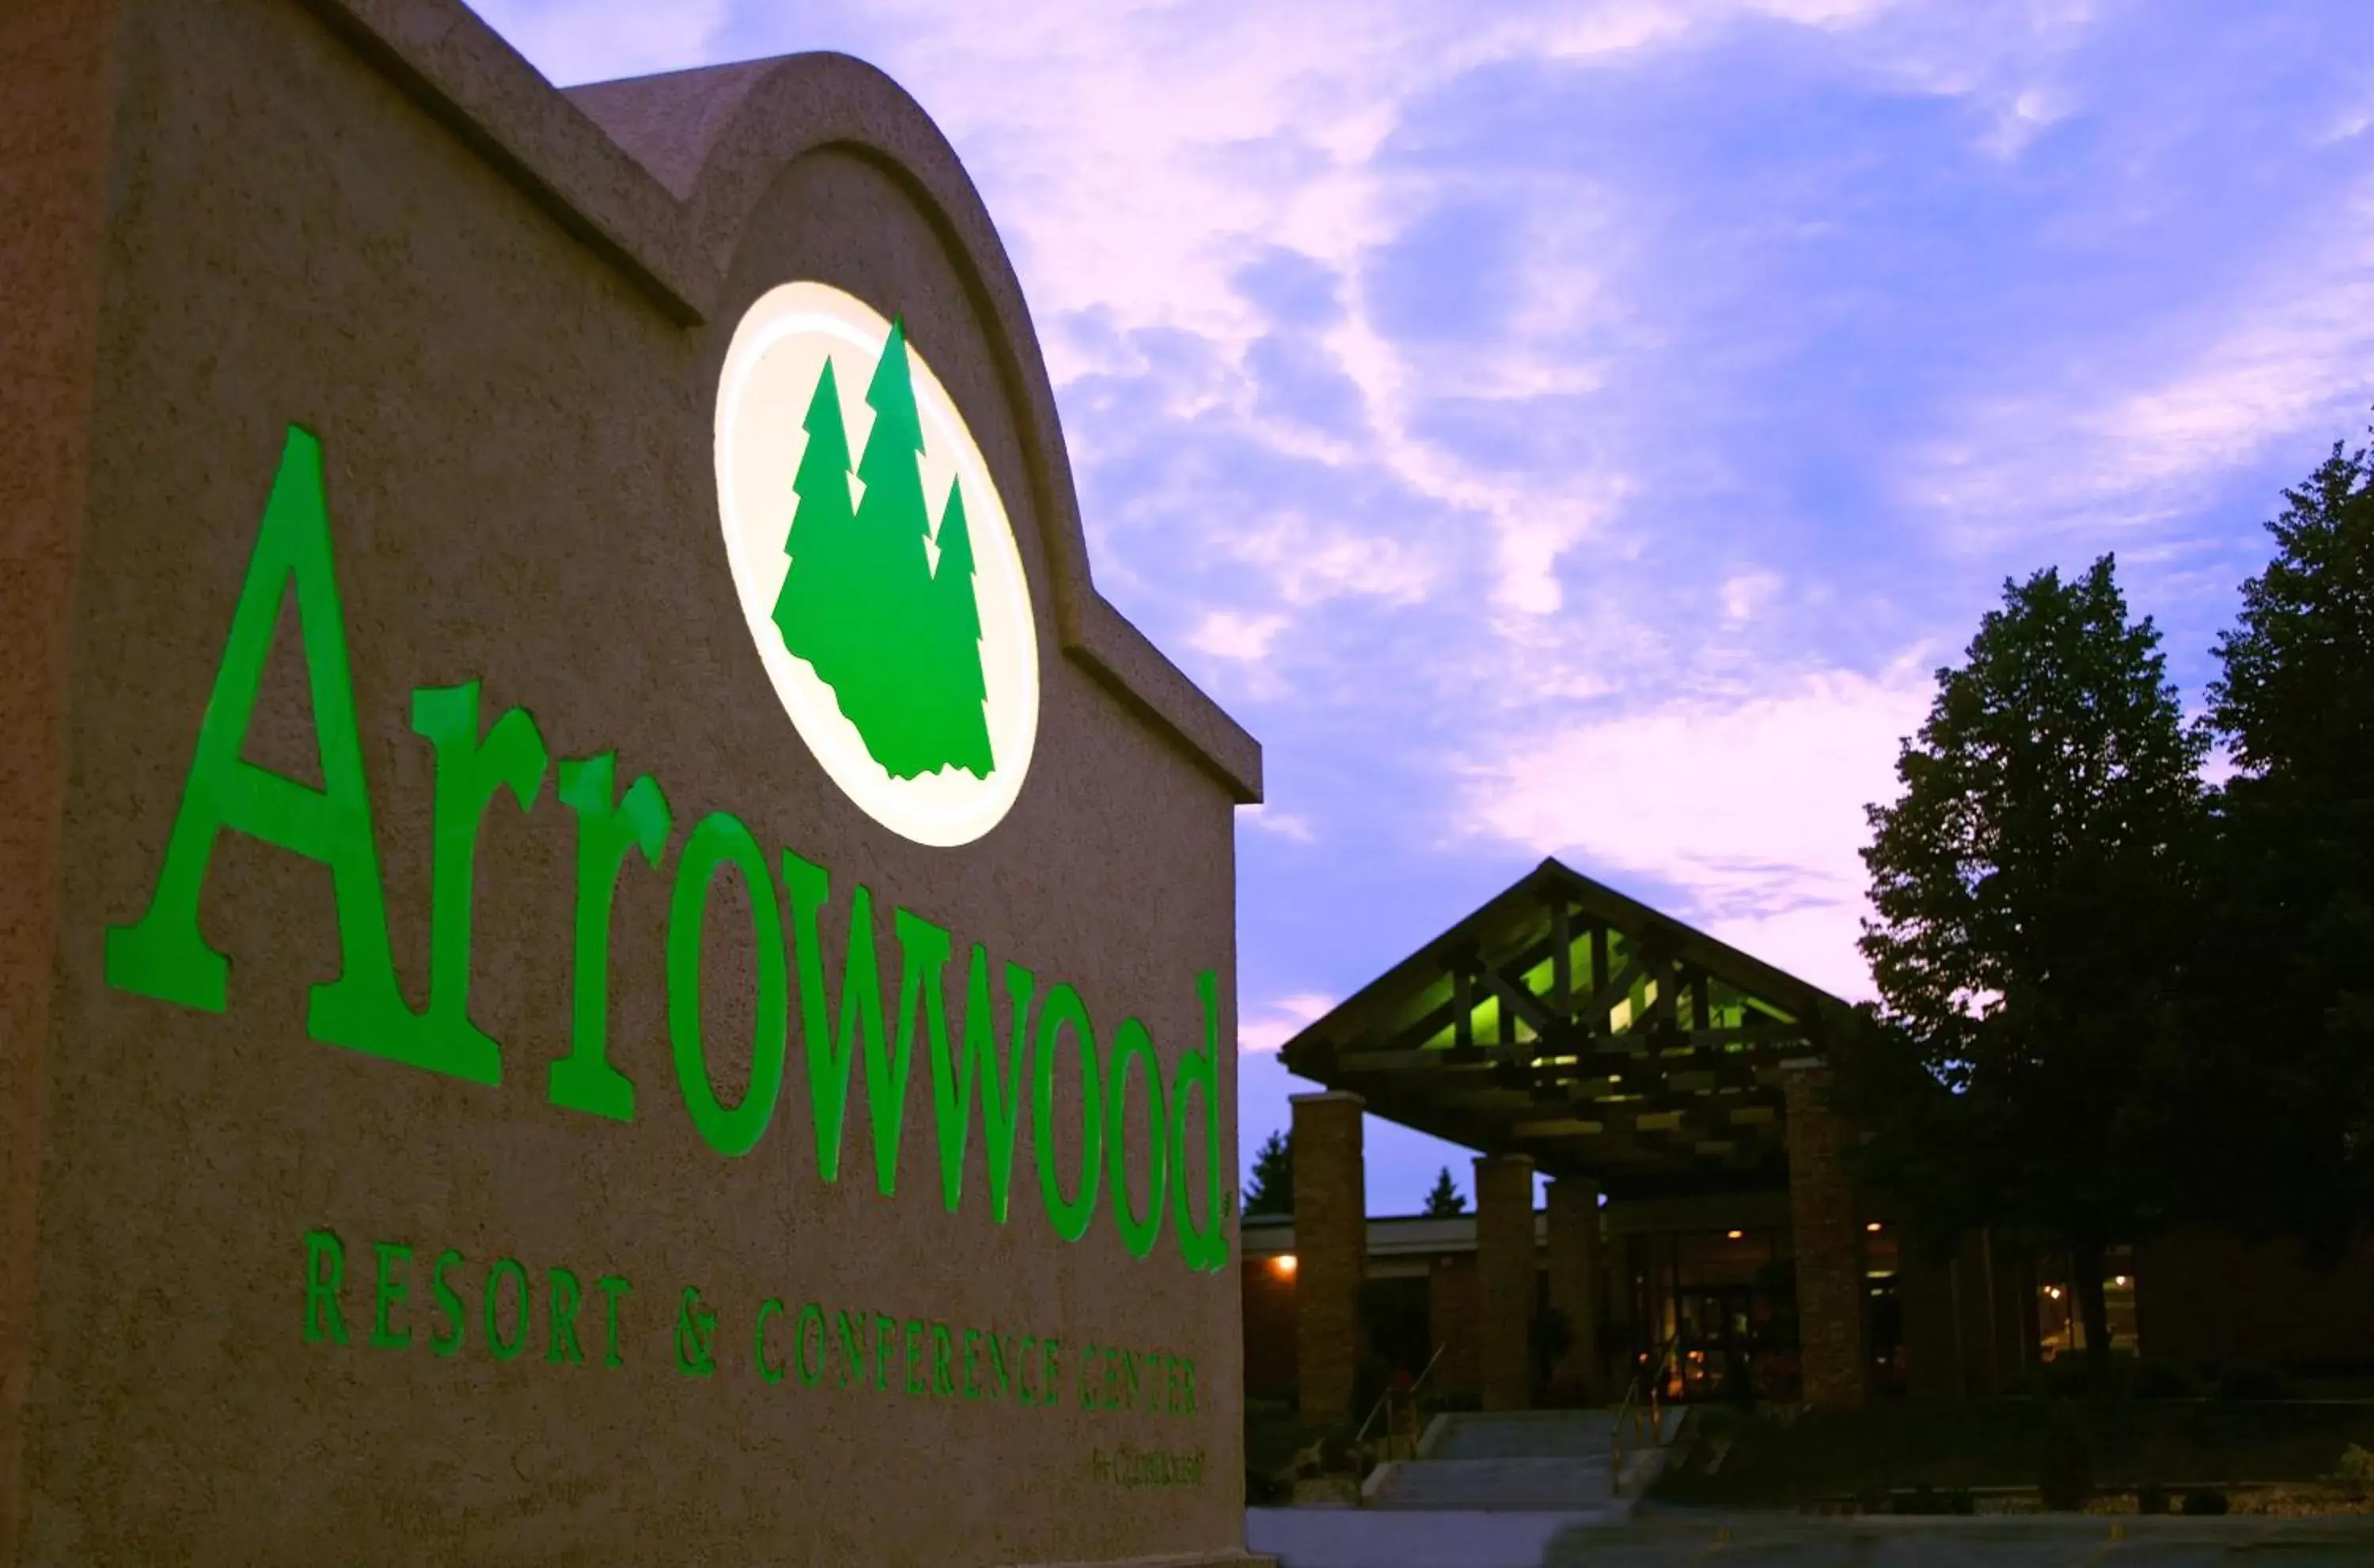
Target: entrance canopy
[[1567, 1022]]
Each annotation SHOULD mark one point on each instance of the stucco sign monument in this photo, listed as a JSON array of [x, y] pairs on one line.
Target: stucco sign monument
[[608, 953]]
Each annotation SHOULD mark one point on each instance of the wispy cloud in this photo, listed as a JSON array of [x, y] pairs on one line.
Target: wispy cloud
[[1285, 825], [1267, 1028], [571, 40], [1551, 424], [1750, 810], [2125, 437]]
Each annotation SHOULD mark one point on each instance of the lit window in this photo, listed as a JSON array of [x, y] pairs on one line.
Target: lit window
[[1734, 1235]]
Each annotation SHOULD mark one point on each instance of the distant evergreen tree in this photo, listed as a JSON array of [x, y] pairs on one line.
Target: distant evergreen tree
[[1445, 1200], [1271, 1191], [956, 621], [898, 643]]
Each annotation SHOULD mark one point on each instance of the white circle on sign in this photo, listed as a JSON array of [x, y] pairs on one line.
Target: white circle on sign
[[872, 650]]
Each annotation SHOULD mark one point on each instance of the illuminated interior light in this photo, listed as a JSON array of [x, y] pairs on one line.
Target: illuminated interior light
[[1734, 1235], [1873, 1227], [1283, 1263]]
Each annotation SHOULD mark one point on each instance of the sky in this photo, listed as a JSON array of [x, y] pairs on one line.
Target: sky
[[1584, 429]]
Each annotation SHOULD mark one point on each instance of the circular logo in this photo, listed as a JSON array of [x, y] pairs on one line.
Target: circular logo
[[875, 564]]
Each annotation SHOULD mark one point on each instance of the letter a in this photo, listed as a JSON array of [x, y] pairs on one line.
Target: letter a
[[164, 955]]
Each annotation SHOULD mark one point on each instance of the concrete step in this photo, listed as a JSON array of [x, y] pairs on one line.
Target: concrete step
[[1529, 1461], [1522, 1434], [1495, 1485]]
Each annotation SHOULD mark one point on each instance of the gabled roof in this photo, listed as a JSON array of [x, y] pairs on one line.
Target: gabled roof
[[1564, 1020]]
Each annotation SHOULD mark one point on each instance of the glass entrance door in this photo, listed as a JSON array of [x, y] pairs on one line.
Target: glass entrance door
[[1714, 1339]]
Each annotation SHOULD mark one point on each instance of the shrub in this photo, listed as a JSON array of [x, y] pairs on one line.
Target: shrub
[[2063, 1377], [2252, 1380], [2205, 1501], [1266, 1491], [2067, 1473], [2071, 1376], [2165, 1380], [2151, 1499], [2356, 1465]]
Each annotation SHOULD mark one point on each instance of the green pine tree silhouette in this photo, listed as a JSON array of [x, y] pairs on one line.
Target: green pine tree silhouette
[[899, 644], [809, 613], [955, 620]]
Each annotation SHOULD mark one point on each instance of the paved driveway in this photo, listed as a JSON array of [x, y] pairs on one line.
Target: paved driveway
[[2012, 1541], [1669, 1539]]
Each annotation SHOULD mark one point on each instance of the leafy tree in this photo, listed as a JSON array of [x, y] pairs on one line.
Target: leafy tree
[[1445, 1199], [2032, 888], [1271, 1191], [2285, 1013]]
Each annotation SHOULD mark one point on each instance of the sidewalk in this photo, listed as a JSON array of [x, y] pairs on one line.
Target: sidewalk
[[1317, 1538], [1662, 1538]]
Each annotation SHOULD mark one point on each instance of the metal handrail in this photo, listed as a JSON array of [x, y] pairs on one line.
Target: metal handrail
[[1638, 1406], [1361, 1435]]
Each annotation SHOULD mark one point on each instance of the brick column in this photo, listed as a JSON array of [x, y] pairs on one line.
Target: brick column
[[1506, 1268], [1450, 1313], [1574, 1260], [1829, 1235], [1331, 1248], [1616, 1368]]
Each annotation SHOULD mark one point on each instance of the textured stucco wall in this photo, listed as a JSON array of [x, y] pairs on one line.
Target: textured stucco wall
[[516, 425], [55, 66]]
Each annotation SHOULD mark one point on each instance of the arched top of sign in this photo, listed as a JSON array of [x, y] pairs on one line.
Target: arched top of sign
[[876, 565], [676, 174]]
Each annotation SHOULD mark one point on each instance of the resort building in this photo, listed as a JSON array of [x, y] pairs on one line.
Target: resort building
[[1701, 1227]]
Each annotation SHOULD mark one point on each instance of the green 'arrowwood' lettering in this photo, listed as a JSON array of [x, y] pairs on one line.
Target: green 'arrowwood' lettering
[[164, 955], [1070, 1217], [469, 773], [585, 1079], [1131, 1043], [953, 1082], [1204, 1248], [830, 1052], [719, 841]]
